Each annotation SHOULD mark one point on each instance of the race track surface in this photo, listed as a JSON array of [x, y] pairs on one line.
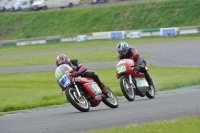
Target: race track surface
[[66, 119], [185, 53]]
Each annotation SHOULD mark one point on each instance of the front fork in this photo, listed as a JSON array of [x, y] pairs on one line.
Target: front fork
[[131, 81], [77, 90]]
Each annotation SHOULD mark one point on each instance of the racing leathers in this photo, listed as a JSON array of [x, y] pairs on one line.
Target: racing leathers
[[80, 70], [139, 63]]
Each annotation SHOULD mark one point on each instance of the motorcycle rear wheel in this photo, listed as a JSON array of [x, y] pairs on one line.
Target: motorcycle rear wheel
[[127, 90], [151, 92], [110, 99], [80, 103]]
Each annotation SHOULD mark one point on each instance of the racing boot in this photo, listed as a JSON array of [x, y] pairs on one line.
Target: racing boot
[[104, 88], [149, 80]]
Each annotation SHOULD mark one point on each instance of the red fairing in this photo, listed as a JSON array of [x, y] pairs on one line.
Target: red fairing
[[128, 64], [91, 87], [80, 79], [96, 94]]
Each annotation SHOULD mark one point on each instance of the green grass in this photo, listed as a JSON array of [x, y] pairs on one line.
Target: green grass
[[92, 44], [48, 54], [178, 125], [30, 90], [131, 16], [85, 56]]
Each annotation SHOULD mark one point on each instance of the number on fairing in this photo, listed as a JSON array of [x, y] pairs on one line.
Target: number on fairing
[[142, 82], [121, 69], [64, 81], [94, 87]]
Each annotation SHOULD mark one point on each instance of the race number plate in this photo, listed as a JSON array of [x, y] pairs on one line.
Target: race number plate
[[64, 81], [121, 69], [96, 89], [141, 82]]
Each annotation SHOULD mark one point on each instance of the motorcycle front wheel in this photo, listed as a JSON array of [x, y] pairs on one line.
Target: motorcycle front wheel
[[127, 89], [110, 99], [80, 103]]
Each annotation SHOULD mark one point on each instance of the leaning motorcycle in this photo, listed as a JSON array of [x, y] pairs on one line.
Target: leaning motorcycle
[[83, 92], [133, 83]]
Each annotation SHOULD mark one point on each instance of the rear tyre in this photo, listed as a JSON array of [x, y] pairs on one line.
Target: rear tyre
[[110, 99], [127, 89], [151, 92], [80, 103]]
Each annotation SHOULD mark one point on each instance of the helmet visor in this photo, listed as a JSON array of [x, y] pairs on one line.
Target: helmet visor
[[67, 60], [122, 52]]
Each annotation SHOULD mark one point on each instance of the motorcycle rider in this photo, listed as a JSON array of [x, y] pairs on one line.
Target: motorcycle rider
[[125, 52], [80, 70]]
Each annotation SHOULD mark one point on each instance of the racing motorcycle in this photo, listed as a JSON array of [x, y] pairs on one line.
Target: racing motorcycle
[[133, 83], [83, 92]]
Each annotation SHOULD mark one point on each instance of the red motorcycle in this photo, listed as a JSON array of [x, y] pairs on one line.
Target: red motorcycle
[[83, 92], [133, 83]]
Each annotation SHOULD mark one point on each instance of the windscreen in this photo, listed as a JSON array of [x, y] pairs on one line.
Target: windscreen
[[60, 70]]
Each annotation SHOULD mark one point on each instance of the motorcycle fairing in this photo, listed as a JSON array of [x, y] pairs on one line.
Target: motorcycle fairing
[[64, 80], [62, 69], [142, 84], [121, 69], [124, 66], [93, 89]]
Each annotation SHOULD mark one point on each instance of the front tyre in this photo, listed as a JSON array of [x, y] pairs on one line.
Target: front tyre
[[80, 103], [151, 92], [110, 99], [127, 89]]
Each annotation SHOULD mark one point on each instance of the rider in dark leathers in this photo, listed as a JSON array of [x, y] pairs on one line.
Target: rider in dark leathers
[[130, 53], [80, 70]]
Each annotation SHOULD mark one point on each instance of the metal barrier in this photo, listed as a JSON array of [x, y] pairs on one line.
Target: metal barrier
[[95, 35]]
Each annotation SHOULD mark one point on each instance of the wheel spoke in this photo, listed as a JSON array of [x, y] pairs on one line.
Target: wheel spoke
[[128, 88], [81, 101], [111, 98]]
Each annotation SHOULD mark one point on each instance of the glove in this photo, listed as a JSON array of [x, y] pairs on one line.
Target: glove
[[136, 69], [75, 74]]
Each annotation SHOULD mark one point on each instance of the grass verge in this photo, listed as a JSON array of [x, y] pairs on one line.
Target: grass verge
[[93, 44], [30, 90], [178, 125], [130, 16], [84, 56]]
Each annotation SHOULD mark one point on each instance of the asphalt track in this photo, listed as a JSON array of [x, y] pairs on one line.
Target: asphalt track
[[66, 119], [182, 53]]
